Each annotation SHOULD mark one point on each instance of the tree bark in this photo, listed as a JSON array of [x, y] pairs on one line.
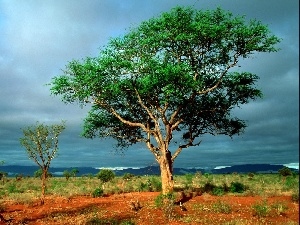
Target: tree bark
[[166, 170], [44, 177]]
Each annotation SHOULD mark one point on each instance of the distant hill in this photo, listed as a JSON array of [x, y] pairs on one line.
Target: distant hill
[[13, 170]]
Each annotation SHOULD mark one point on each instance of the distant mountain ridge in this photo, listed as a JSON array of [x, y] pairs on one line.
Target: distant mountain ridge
[[13, 170]]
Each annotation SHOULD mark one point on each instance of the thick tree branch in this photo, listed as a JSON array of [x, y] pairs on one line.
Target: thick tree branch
[[114, 112], [181, 147]]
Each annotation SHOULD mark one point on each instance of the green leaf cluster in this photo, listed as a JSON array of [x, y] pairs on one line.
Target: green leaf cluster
[[172, 70]]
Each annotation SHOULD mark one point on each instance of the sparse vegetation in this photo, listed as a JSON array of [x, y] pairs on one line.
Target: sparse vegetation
[[215, 184], [221, 207], [295, 196], [166, 203], [280, 208], [128, 176], [218, 187], [261, 209], [99, 221]]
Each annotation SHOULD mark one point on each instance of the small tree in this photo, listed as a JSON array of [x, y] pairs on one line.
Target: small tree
[[41, 144], [105, 175], [74, 172], [168, 82], [67, 174], [2, 174], [285, 171]]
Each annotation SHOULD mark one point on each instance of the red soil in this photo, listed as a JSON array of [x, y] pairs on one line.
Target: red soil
[[80, 209]]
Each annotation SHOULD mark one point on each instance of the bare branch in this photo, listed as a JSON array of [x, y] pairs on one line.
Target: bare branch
[[181, 147], [235, 61]]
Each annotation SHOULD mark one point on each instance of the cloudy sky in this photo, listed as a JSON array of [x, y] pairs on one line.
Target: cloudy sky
[[39, 37]]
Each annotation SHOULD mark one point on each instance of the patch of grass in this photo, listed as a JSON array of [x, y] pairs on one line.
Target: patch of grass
[[12, 188], [201, 207], [279, 207], [188, 180], [221, 207], [23, 198], [156, 183], [166, 203], [295, 196], [237, 222], [2, 207], [218, 191], [291, 183], [261, 209], [99, 221]]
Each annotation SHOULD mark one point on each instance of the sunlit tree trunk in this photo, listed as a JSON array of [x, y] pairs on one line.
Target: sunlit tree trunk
[[166, 170]]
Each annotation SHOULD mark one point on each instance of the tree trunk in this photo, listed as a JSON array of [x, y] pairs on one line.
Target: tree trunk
[[44, 177], [166, 171]]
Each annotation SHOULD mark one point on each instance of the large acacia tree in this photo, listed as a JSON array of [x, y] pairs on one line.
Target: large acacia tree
[[169, 78]]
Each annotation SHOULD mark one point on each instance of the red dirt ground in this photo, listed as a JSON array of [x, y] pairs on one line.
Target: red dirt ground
[[81, 209]]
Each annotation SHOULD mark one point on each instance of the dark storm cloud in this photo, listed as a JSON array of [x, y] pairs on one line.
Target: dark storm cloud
[[38, 38]]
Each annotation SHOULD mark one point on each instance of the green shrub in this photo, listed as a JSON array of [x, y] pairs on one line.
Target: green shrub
[[280, 208], [218, 191], [208, 187], [250, 176], [188, 180], [237, 187], [105, 175], [207, 175], [127, 223], [261, 209], [166, 203], [156, 184], [98, 192], [291, 182], [128, 176], [295, 196], [161, 199], [12, 188], [145, 186], [285, 171]]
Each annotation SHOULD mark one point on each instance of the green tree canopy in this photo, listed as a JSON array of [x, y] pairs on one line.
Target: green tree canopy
[[170, 75]]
